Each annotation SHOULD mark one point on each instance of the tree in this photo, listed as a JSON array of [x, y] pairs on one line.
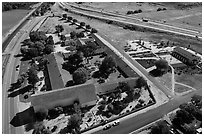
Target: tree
[[62, 37], [185, 116], [129, 12], [108, 65], [32, 77], [82, 24], [197, 101], [59, 28], [64, 16], [24, 50], [189, 129], [74, 20], [42, 63], [161, 64], [69, 18], [80, 76], [71, 43], [40, 47], [32, 52], [93, 30], [80, 35], [76, 59], [48, 49], [160, 128], [39, 128], [88, 27], [141, 82], [50, 40], [139, 11], [190, 108], [88, 49], [124, 86], [73, 34], [159, 9], [37, 36], [41, 114], [74, 123]]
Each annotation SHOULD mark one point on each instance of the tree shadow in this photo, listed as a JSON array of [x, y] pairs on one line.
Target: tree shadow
[[61, 19], [18, 55], [25, 58], [21, 91], [156, 73], [14, 86], [29, 126], [69, 83], [59, 42], [72, 24], [78, 27], [23, 118]]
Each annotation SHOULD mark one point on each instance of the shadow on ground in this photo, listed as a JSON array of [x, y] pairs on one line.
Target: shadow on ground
[[22, 118], [21, 91]]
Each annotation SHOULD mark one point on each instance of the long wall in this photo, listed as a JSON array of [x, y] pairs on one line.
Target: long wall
[[84, 93], [110, 86]]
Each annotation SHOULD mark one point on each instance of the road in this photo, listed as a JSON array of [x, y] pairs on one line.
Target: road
[[131, 20], [151, 115], [135, 65], [9, 105], [129, 125]]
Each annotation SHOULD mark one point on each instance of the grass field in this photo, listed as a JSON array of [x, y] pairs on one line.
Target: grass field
[[194, 81], [11, 18], [149, 10], [181, 88]]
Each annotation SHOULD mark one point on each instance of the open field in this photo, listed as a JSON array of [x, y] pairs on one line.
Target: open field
[[180, 88], [194, 81], [149, 10], [11, 18], [119, 35]]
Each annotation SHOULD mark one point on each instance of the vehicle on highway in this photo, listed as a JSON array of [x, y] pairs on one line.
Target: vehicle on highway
[[108, 126]]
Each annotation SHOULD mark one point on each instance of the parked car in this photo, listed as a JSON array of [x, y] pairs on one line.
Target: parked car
[[108, 126], [115, 123], [17, 67]]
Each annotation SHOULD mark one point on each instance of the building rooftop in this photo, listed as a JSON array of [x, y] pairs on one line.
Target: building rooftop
[[85, 94], [55, 76]]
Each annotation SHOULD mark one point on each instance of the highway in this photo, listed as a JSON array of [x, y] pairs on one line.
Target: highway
[[130, 20], [10, 105]]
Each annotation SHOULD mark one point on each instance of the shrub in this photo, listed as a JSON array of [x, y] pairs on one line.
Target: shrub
[[93, 30], [159, 9], [139, 11], [129, 12]]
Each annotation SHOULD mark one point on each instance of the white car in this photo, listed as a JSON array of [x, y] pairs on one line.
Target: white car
[[115, 123], [107, 127]]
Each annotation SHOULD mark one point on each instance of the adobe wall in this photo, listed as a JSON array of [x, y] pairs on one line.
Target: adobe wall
[[84, 93]]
